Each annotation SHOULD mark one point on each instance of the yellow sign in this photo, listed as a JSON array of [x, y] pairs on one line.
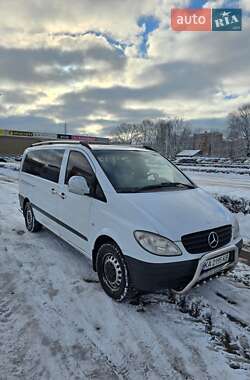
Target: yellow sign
[[1, 132], [20, 133]]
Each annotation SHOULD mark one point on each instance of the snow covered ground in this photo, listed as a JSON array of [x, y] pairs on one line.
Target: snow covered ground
[[232, 185], [239, 170], [56, 322]]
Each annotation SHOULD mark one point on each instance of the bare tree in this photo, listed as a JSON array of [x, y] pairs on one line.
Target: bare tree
[[244, 113], [233, 125], [127, 134], [143, 133], [167, 136], [239, 125], [149, 132], [175, 134], [179, 134]]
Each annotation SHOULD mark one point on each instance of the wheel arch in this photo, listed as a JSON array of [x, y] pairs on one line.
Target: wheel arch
[[102, 239], [25, 201]]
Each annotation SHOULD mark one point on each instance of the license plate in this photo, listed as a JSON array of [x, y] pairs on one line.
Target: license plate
[[216, 261]]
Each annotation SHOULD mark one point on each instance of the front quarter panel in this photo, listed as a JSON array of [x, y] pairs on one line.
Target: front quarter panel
[[119, 220]]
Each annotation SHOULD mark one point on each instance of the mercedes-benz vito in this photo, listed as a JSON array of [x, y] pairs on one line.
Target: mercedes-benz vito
[[144, 224]]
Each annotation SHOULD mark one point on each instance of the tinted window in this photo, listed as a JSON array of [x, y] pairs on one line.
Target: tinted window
[[44, 163], [79, 165]]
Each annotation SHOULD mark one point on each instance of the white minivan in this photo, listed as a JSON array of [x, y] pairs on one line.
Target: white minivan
[[144, 224]]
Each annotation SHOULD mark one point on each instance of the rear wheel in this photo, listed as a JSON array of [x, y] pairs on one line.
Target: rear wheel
[[31, 223], [113, 273]]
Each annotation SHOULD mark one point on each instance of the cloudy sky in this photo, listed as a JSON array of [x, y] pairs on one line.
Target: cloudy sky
[[98, 63]]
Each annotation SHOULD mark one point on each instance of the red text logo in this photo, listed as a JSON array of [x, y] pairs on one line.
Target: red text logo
[[192, 20]]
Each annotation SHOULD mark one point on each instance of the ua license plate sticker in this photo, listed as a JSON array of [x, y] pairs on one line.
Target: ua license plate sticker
[[216, 261]]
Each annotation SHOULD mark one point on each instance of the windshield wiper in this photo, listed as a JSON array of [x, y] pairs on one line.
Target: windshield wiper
[[164, 184], [156, 186], [180, 184]]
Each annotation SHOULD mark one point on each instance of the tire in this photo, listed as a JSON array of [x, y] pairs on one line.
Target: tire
[[113, 273], [31, 223]]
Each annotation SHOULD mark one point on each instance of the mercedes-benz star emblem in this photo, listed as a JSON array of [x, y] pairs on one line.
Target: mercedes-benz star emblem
[[213, 239]]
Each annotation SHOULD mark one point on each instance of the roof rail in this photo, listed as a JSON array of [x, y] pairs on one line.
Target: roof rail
[[57, 142]]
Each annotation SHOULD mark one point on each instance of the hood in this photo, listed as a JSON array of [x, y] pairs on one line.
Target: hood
[[179, 212]]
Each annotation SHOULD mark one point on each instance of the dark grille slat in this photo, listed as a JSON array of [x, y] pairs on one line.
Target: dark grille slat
[[204, 243], [198, 242], [201, 238]]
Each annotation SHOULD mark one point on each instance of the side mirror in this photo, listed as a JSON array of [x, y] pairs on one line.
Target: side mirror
[[78, 185]]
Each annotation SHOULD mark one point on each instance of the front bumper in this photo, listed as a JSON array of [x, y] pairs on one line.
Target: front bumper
[[181, 275]]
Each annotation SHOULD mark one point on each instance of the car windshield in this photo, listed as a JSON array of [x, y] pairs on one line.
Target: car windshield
[[140, 170]]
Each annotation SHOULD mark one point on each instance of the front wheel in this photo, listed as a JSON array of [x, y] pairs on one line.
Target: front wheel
[[31, 223], [113, 273]]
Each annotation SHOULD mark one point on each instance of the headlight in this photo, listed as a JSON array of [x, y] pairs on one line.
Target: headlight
[[156, 244], [236, 229]]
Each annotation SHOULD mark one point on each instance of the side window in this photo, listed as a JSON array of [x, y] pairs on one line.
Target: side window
[[45, 163], [32, 163], [52, 164], [79, 165]]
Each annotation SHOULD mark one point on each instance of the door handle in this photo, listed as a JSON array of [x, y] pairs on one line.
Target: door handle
[[61, 195]]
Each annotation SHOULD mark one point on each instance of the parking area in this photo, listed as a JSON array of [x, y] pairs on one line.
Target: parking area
[[57, 323]]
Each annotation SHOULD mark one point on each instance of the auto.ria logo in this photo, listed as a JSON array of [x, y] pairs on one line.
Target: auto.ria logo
[[206, 19]]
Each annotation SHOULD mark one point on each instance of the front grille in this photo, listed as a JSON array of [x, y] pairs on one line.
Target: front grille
[[198, 241]]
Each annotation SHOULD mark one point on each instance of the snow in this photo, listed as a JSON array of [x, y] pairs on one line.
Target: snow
[[238, 170], [230, 185], [244, 221], [57, 323], [9, 170], [188, 153]]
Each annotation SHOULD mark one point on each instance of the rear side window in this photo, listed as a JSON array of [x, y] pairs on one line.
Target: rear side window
[[78, 165], [45, 163]]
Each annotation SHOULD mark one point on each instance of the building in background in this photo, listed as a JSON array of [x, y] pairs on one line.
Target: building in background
[[15, 142], [210, 143]]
